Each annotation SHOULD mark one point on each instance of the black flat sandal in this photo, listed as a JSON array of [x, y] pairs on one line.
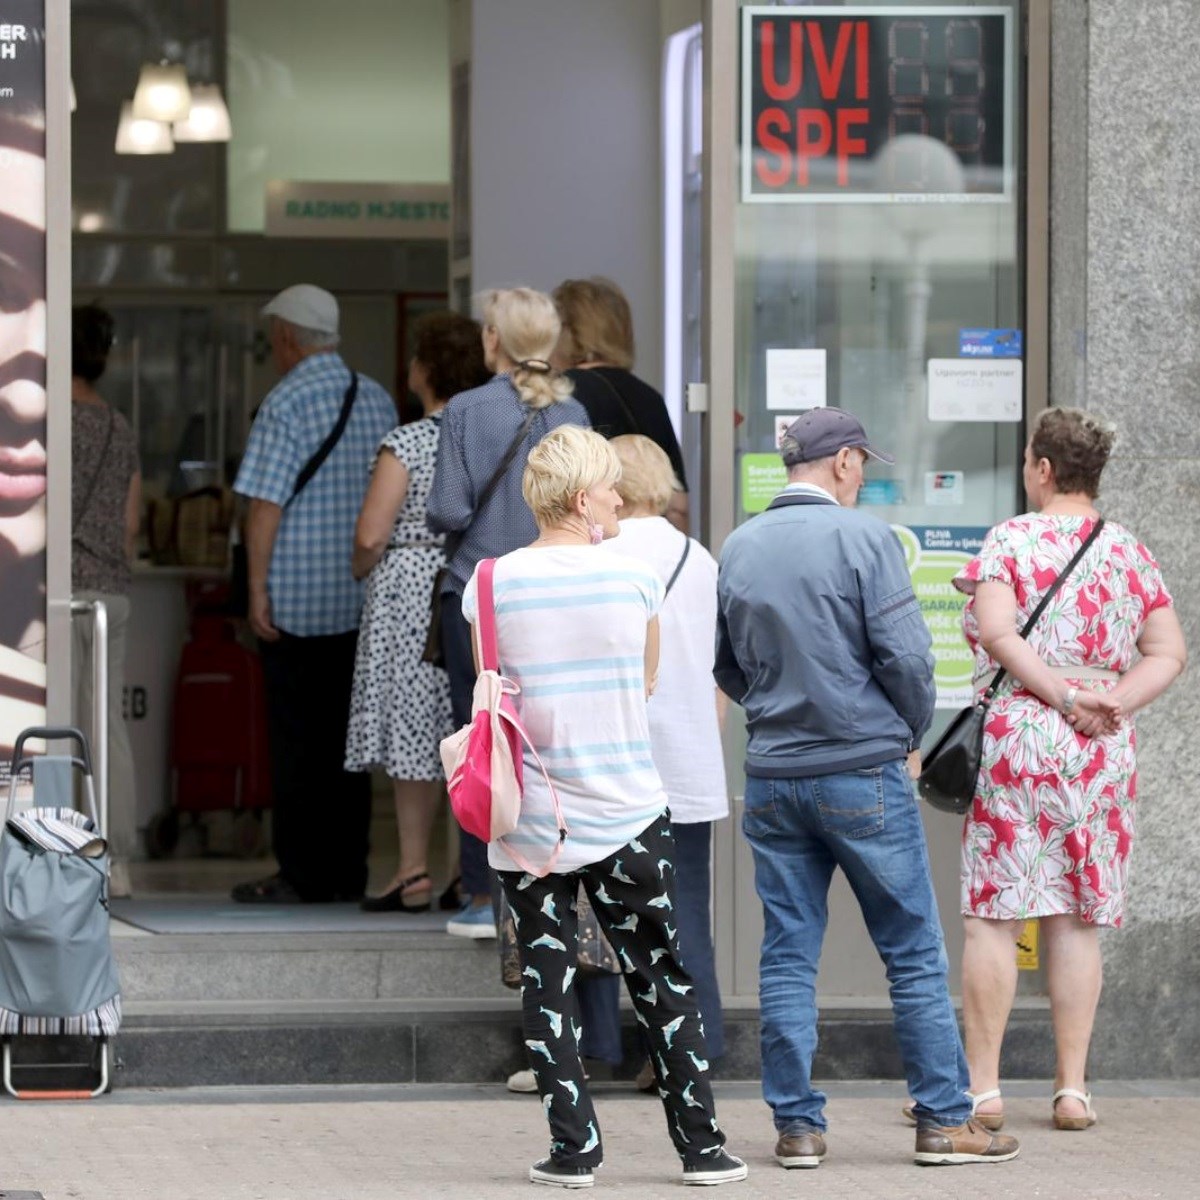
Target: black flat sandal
[[393, 901]]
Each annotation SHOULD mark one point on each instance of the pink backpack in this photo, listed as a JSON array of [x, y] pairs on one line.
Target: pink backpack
[[484, 760]]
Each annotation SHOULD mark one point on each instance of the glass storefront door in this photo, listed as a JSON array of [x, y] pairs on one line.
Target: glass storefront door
[[870, 219]]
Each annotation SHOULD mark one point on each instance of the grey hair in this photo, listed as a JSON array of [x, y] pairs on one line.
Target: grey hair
[[311, 339]]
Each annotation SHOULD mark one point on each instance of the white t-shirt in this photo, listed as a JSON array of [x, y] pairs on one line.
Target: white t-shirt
[[571, 630], [684, 732]]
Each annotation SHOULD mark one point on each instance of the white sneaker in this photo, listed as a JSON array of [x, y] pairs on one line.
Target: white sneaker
[[522, 1081], [473, 922]]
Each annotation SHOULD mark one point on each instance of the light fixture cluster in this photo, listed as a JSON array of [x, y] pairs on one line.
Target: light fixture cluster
[[166, 109]]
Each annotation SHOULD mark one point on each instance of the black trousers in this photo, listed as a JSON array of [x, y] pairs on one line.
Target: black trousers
[[321, 821], [633, 893]]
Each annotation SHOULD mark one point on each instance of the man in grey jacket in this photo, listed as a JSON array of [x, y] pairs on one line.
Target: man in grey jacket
[[821, 640]]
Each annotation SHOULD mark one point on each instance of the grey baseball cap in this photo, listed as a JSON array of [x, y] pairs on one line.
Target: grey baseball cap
[[821, 433]]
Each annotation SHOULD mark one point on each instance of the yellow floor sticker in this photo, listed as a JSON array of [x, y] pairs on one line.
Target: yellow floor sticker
[[1027, 947]]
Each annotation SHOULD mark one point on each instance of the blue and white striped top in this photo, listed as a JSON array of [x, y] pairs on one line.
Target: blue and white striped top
[[571, 629]]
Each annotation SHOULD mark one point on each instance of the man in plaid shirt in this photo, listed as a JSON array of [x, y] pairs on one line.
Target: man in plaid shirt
[[304, 602]]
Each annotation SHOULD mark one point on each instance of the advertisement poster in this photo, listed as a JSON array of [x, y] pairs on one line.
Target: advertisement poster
[[868, 104], [22, 371], [960, 389], [935, 554]]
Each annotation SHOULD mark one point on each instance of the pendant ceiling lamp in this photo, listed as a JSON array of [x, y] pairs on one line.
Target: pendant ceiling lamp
[[208, 120], [162, 93], [135, 135]]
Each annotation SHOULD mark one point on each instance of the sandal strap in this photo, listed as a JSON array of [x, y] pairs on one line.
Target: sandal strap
[[983, 1098], [1084, 1098], [407, 883]]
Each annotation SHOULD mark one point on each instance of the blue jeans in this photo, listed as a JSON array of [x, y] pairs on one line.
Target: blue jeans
[[865, 822]]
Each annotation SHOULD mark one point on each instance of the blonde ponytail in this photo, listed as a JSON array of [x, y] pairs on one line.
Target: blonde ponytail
[[527, 325]]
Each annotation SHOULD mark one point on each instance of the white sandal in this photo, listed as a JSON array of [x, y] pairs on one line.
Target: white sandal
[[1073, 1123], [989, 1121]]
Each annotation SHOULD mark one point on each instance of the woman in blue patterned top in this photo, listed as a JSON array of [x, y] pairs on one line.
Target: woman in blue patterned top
[[485, 438], [400, 707]]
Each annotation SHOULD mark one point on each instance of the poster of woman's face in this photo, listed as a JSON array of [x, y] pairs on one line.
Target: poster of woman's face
[[22, 366]]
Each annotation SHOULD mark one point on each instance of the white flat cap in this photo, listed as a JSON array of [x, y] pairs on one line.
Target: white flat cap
[[305, 305]]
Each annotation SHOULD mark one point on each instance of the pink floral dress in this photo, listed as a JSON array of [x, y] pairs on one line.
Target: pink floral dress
[[1052, 822]]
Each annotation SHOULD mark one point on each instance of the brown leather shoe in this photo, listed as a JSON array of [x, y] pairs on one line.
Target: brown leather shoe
[[951, 1145], [800, 1150]]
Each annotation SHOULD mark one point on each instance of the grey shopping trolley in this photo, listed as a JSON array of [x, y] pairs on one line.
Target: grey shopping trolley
[[58, 977]]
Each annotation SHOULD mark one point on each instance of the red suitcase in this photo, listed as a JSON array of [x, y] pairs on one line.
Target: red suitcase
[[219, 757]]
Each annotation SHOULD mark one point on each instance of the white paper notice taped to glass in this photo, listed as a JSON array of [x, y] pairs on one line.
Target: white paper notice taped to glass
[[965, 389], [795, 379]]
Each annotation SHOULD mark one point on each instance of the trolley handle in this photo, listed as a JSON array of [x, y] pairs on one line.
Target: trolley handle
[[52, 733]]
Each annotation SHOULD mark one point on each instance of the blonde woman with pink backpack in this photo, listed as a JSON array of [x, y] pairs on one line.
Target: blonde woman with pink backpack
[[576, 632]]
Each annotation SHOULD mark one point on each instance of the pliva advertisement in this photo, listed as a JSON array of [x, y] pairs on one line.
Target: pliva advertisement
[[22, 371]]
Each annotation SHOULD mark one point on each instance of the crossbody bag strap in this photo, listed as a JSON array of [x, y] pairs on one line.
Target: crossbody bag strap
[[325, 449], [506, 461], [454, 539], [998, 678], [489, 652], [687, 545]]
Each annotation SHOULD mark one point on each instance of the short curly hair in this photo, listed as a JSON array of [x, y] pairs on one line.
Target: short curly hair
[[450, 348], [1076, 444]]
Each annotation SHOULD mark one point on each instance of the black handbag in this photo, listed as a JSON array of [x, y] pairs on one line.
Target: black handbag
[[433, 651], [950, 770]]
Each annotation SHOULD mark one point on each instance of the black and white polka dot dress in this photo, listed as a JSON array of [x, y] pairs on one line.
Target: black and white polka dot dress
[[400, 706]]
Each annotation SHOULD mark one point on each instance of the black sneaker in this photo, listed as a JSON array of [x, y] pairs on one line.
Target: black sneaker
[[714, 1169], [560, 1175]]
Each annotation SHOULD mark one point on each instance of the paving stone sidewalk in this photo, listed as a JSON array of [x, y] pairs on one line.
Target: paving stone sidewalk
[[426, 1142]]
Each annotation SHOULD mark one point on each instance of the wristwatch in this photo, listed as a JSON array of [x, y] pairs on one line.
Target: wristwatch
[[1069, 699]]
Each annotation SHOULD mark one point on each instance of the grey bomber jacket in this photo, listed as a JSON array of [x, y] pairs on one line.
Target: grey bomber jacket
[[821, 640]]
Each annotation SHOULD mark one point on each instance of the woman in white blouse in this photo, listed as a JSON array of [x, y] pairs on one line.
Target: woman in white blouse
[[685, 710]]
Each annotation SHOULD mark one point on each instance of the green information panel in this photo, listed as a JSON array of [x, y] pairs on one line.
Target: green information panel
[[935, 554], [763, 477]]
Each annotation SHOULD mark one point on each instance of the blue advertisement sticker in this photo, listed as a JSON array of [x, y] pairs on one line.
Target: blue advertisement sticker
[[990, 343], [881, 491]]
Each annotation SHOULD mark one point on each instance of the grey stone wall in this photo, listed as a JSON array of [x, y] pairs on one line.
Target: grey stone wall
[[1125, 328]]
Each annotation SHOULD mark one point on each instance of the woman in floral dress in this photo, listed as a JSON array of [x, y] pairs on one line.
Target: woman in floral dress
[[400, 706], [1050, 830]]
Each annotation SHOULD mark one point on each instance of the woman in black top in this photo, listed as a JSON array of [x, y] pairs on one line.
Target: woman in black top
[[596, 350]]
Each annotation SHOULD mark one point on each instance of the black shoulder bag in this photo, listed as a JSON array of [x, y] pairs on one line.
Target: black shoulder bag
[[450, 544], [951, 769], [239, 564]]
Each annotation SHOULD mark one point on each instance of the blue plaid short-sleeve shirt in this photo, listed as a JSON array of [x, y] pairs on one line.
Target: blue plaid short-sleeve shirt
[[312, 591]]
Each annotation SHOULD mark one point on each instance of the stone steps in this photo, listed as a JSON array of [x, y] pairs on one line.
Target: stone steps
[[417, 1007]]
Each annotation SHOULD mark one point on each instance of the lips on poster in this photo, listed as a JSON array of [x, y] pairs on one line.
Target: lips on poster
[[22, 370]]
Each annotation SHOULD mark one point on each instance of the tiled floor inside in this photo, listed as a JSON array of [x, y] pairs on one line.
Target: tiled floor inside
[[204, 866]]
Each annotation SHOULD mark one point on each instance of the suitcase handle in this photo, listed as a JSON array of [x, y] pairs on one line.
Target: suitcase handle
[[52, 733]]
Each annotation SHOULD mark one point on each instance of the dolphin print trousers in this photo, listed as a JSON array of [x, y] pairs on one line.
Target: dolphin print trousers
[[633, 893]]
